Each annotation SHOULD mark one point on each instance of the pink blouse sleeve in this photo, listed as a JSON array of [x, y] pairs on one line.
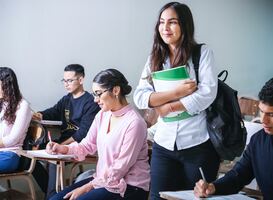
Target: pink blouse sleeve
[[88, 145]]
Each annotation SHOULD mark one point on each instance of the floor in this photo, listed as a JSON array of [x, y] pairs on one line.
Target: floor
[[19, 188]]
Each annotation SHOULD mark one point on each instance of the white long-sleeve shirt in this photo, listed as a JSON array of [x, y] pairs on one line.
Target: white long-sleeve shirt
[[191, 131], [13, 135]]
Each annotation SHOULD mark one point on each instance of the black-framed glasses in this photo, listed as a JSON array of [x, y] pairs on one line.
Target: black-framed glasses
[[68, 81], [98, 93]]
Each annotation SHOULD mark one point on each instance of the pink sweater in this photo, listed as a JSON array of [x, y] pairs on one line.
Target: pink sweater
[[122, 153], [13, 135]]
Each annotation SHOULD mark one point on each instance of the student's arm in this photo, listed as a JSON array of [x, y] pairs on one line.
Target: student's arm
[[20, 126], [239, 176], [146, 97], [68, 141], [207, 86], [88, 145], [55, 112]]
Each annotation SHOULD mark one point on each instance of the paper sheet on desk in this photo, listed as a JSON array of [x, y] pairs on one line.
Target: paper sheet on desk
[[188, 195], [44, 154]]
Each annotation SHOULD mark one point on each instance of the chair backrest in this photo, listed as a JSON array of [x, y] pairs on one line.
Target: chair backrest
[[36, 136], [249, 107]]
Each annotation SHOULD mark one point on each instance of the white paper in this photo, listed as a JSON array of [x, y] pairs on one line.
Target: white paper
[[188, 195], [44, 154]]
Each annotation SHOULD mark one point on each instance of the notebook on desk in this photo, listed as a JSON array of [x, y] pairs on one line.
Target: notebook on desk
[[188, 195], [44, 154]]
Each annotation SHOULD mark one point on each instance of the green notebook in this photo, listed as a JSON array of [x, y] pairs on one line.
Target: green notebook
[[168, 79]]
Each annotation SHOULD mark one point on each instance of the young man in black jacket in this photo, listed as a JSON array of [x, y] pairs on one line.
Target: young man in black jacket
[[76, 110], [257, 160]]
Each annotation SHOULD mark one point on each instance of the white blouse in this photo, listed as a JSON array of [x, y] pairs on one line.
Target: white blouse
[[191, 131], [13, 135]]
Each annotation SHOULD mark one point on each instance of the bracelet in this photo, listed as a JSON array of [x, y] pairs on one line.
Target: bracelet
[[170, 105]]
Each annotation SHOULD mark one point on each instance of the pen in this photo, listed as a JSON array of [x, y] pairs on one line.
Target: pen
[[49, 136], [202, 174]]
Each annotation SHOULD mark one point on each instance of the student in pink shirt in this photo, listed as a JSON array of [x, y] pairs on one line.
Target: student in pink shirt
[[119, 135], [15, 115]]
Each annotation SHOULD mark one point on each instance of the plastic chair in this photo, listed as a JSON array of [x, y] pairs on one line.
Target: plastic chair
[[34, 138]]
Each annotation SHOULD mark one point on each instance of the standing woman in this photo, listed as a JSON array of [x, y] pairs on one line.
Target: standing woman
[[118, 134], [182, 145], [15, 115]]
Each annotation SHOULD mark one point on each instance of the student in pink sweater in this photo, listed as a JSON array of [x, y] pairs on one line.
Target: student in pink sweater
[[15, 115], [119, 135]]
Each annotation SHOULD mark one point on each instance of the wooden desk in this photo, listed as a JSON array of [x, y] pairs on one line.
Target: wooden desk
[[60, 165]]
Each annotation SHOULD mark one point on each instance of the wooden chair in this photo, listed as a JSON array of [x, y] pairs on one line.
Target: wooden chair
[[249, 107], [35, 135]]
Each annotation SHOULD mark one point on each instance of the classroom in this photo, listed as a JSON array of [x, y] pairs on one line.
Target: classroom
[[39, 38]]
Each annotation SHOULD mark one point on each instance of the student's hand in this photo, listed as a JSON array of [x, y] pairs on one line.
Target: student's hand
[[186, 88], [203, 189], [163, 110], [55, 148], [74, 194], [37, 116]]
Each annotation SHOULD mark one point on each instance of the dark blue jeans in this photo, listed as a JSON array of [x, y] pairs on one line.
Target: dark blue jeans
[[179, 170], [131, 193]]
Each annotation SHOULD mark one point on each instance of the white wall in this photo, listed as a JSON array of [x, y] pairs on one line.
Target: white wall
[[38, 38]]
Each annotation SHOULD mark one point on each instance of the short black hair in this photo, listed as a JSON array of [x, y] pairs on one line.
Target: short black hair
[[266, 93], [110, 78], [77, 68]]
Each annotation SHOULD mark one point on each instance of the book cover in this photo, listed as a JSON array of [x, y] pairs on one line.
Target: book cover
[[168, 79]]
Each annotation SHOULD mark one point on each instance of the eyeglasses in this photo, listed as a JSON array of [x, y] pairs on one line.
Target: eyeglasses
[[68, 81], [98, 93]]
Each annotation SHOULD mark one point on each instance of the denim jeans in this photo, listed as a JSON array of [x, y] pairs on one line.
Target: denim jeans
[[131, 193], [9, 161], [179, 169]]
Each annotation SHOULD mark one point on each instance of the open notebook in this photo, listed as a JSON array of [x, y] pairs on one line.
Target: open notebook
[[44, 154], [188, 195]]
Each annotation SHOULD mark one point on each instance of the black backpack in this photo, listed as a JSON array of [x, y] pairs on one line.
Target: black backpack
[[224, 120]]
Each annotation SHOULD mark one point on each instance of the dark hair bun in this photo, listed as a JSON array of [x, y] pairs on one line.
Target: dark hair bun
[[110, 78]]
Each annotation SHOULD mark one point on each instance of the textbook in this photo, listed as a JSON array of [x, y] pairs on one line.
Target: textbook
[[168, 79], [188, 195]]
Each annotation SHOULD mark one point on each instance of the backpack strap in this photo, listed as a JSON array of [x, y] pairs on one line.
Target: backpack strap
[[196, 54]]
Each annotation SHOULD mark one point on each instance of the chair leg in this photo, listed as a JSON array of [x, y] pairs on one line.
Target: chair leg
[[9, 183]]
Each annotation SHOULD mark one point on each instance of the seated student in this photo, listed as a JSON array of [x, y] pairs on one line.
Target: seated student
[[76, 110], [119, 135], [15, 115], [257, 160]]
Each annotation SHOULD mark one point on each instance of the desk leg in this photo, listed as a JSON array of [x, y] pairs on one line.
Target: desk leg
[[57, 177], [62, 174]]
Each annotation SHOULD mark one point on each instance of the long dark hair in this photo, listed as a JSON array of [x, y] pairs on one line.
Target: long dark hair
[[160, 50], [11, 94], [110, 78]]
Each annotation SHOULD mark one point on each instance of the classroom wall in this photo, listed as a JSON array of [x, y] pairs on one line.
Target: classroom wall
[[38, 38]]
